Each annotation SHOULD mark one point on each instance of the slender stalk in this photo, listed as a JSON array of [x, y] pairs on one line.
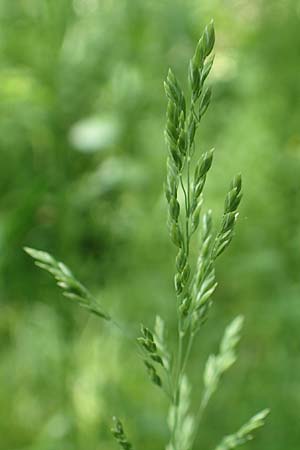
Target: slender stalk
[[182, 356], [199, 416], [188, 352]]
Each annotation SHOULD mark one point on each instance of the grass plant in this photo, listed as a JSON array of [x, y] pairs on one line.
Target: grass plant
[[194, 279]]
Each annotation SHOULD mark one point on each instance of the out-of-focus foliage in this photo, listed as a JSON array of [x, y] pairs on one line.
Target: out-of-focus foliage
[[81, 173]]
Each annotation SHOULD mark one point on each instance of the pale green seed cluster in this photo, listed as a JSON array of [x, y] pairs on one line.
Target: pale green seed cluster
[[181, 420], [151, 352], [65, 279], [120, 436], [160, 341], [218, 364], [183, 119], [204, 283], [230, 216], [244, 434], [156, 356]]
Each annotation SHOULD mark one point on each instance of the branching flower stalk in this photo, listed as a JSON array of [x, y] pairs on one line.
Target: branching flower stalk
[[72, 288], [194, 286], [194, 281], [120, 436]]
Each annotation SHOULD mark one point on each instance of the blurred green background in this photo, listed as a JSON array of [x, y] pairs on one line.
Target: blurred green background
[[82, 166]]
